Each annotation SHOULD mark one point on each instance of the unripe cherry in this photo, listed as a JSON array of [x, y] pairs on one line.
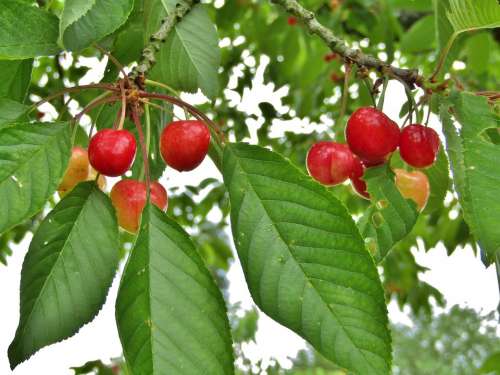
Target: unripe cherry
[[419, 145], [129, 198], [372, 135], [112, 152], [413, 185], [184, 144], [329, 163], [76, 172]]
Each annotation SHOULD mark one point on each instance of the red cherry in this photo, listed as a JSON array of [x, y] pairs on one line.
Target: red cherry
[[329, 162], [184, 144], [372, 135], [129, 198], [111, 152], [330, 56], [356, 176], [292, 21], [419, 145]]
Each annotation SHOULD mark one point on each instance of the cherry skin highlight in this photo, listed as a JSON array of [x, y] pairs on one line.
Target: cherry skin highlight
[[372, 135], [184, 144], [76, 172], [329, 163], [413, 185], [129, 198], [356, 177], [111, 152], [419, 145]]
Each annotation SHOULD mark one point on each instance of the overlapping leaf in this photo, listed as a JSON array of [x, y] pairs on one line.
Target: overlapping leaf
[[474, 162], [467, 15], [190, 57], [84, 22], [33, 158], [10, 111], [304, 260], [439, 181], [16, 78], [26, 31], [171, 316], [67, 272], [391, 217]]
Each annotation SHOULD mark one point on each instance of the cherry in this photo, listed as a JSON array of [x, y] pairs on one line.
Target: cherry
[[111, 152], [329, 162], [414, 186], [330, 56], [129, 198], [419, 145], [356, 176], [372, 135], [77, 170], [292, 21], [184, 144]]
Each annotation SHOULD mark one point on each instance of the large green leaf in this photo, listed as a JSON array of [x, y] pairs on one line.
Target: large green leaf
[[466, 15], [304, 260], [190, 57], [67, 272], [84, 22], [474, 163], [390, 218], [16, 78], [439, 181], [421, 36], [10, 111], [26, 31], [171, 316], [33, 158]]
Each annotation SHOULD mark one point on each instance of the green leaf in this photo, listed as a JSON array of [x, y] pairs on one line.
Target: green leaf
[[304, 260], [491, 365], [16, 78], [420, 37], [27, 31], [33, 158], [66, 274], [84, 22], [478, 51], [170, 314], [391, 217], [439, 181], [474, 163], [466, 15], [11, 110], [190, 57]]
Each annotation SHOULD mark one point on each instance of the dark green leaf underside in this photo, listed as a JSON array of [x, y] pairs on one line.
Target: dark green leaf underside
[[171, 316], [33, 158], [304, 260], [66, 274]]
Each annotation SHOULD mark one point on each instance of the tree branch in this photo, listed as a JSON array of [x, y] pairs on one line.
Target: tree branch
[[148, 59], [337, 45]]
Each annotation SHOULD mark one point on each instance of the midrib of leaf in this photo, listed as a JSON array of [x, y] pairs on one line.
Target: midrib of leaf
[[60, 258], [306, 277]]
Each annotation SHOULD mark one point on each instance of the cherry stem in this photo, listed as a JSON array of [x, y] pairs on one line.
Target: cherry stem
[[94, 104], [168, 88], [345, 92], [381, 99], [429, 111], [443, 56], [102, 86], [113, 60], [370, 91], [145, 158], [124, 107]]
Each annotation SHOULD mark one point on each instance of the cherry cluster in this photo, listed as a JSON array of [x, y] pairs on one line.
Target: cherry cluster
[[111, 152], [372, 137]]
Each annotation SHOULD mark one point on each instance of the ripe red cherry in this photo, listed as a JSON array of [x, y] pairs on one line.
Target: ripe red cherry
[[292, 21], [419, 145], [184, 144], [329, 162], [356, 176], [129, 198], [111, 152], [77, 170], [372, 135]]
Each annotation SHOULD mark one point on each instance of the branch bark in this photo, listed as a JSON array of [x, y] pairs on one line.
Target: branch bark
[[410, 76], [148, 59]]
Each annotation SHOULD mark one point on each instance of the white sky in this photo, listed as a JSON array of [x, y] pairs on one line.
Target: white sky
[[461, 277]]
